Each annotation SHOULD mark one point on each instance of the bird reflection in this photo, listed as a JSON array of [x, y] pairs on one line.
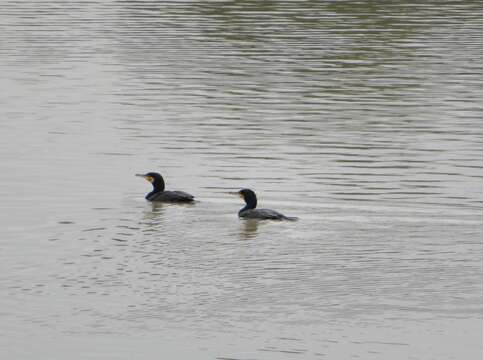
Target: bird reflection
[[157, 208], [249, 229], [153, 216]]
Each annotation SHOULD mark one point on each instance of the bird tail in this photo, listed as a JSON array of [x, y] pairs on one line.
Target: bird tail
[[291, 218]]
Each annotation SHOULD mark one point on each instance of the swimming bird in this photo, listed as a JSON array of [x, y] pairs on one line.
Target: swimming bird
[[159, 194], [250, 211]]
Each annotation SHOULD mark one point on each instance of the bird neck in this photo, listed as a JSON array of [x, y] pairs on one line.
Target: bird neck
[[251, 204], [158, 185]]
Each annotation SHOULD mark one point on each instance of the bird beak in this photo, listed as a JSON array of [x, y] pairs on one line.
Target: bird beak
[[236, 193], [148, 178]]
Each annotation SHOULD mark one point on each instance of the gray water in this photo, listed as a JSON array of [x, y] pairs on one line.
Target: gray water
[[362, 118]]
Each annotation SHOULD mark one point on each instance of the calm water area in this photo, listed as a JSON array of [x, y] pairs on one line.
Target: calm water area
[[362, 118]]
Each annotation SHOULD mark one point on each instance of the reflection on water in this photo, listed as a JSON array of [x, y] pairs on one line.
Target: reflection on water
[[363, 118], [249, 229], [153, 217]]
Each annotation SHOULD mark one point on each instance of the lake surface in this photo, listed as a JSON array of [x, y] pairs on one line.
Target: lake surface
[[362, 119]]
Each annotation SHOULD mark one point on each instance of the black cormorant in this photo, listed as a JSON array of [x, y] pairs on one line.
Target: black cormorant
[[159, 194], [250, 212]]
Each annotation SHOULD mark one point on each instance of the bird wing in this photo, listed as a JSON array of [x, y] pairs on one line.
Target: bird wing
[[261, 214], [173, 196]]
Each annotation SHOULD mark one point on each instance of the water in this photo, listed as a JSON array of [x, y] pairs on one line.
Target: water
[[362, 119]]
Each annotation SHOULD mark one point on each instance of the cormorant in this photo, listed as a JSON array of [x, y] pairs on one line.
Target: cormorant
[[159, 194], [250, 212]]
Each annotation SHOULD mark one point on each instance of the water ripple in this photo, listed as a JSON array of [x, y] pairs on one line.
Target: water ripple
[[361, 118]]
